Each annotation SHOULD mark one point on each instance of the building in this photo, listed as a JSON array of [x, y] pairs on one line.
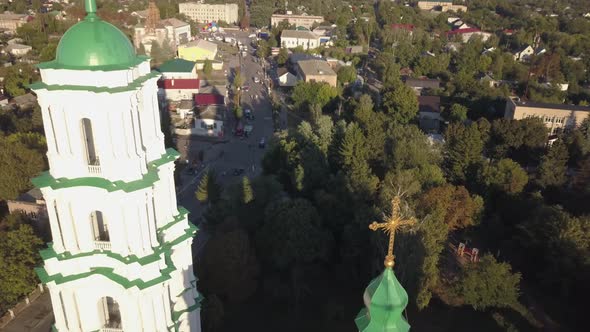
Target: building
[[419, 84], [441, 5], [18, 50], [286, 79], [524, 54], [557, 117], [429, 113], [209, 121], [356, 49], [205, 13], [177, 89], [293, 38], [185, 107], [198, 50], [170, 31], [305, 21], [466, 34], [9, 22], [209, 99], [178, 68], [121, 258], [316, 70]]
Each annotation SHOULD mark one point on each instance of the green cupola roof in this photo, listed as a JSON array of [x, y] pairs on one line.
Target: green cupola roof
[[385, 300], [92, 44]]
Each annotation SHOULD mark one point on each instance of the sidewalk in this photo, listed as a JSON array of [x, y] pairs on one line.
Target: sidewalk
[[37, 317]]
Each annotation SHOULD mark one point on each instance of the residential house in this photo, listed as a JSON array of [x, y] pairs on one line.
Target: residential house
[[489, 80], [18, 50], [178, 68], [524, 53], [198, 50], [354, 49], [293, 38], [466, 34], [429, 114], [419, 84], [209, 121], [557, 117], [286, 79], [9, 22], [177, 89], [25, 102], [316, 70], [297, 20], [32, 205]]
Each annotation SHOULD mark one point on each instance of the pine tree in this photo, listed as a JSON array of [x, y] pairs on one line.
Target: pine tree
[[247, 193], [201, 193], [208, 190], [553, 168]]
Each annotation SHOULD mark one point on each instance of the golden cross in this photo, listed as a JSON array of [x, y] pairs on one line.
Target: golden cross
[[390, 225]]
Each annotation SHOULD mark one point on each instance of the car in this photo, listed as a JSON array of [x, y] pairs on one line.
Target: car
[[246, 87], [238, 171], [262, 143], [256, 79]]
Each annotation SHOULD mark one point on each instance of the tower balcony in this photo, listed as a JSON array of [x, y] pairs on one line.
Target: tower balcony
[[94, 167], [102, 245], [110, 329]]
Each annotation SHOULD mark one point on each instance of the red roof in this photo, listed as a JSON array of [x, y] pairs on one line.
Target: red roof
[[208, 99], [462, 31], [175, 83], [407, 27]]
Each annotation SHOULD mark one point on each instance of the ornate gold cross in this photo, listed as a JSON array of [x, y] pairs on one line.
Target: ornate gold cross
[[391, 224]]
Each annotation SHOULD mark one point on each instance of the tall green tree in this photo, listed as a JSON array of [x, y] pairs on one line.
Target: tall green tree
[[247, 194], [400, 103], [504, 175], [463, 150], [312, 93], [346, 74], [283, 56], [18, 164], [553, 167], [207, 68], [209, 190]]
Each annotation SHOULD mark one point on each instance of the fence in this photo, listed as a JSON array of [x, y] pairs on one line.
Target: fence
[[22, 305]]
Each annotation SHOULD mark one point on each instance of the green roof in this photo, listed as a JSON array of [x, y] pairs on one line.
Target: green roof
[[388, 299], [177, 66], [93, 44]]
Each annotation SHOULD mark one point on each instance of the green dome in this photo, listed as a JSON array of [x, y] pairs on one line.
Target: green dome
[[93, 42]]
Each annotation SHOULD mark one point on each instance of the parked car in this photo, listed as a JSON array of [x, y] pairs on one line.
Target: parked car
[[238, 171], [262, 143], [246, 87], [256, 79]]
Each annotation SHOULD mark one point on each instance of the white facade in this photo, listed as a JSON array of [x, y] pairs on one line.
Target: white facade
[[288, 79], [205, 13], [306, 39], [121, 254], [524, 54]]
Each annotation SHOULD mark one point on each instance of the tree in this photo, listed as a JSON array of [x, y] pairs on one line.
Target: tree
[[312, 93], [209, 190], [141, 49], [207, 68], [505, 175], [346, 74], [463, 150], [238, 112], [283, 56], [553, 167], [458, 208], [18, 255], [372, 124], [263, 49], [156, 52], [292, 235], [488, 283], [16, 80], [228, 267], [238, 80], [247, 194], [48, 52], [14, 180], [400, 103], [245, 22], [458, 113]]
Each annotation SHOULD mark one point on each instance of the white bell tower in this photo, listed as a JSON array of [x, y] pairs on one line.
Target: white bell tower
[[121, 257]]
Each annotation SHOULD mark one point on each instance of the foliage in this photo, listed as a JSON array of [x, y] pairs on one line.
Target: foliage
[[263, 49], [521, 140], [463, 150], [18, 255], [238, 112], [16, 79], [228, 267], [400, 103], [488, 283], [283, 56], [212, 313], [207, 68], [312, 93], [292, 234], [209, 190], [505, 175], [458, 208], [247, 194], [458, 113], [553, 167], [346, 74], [15, 180], [48, 52]]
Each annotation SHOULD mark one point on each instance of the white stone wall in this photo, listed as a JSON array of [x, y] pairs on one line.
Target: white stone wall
[[177, 94], [289, 42]]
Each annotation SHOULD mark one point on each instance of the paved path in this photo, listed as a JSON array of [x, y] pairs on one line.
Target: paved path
[[37, 317]]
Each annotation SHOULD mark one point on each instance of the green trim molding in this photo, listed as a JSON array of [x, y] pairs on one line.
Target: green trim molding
[[177, 314], [46, 180], [166, 249], [50, 253], [97, 89], [56, 65]]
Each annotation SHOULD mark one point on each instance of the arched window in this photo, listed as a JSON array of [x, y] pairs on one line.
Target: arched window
[[108, 313], [88, 137], [100, 228]]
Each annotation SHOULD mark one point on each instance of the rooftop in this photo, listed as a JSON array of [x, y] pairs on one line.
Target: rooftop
[[422, 83], [174, 22], [177, 66], [429, 104], [176, 83], [300, 34], [205, 99], [210, 112], [565, 107], [316, 67], [201, 43]]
